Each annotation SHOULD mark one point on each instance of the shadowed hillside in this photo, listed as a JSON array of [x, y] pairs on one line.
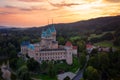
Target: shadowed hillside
[[97, 25]]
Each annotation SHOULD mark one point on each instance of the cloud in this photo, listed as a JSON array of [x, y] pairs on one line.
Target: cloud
[[31, 0], [7, 6], [6, 13], [113, 1], [89, 1], [26, 9], [14, 7], [63, 4]]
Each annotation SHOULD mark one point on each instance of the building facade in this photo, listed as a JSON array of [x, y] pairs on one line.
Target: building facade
[[48, 48]]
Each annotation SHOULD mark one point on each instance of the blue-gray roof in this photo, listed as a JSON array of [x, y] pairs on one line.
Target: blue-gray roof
[[25, 43], [48, 32], [44, 34], [53, 29], [31, 46]]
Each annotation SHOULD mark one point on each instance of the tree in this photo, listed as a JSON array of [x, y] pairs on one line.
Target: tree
[[13, 63], [114, 67], [82, 60], [51, 69], [1, 75], [61, 40], [82, 79], [91, 74], [81, 45], [13, 76], [33, 65], [26, 75], [12, 53], [116, 42], [20, 62], [103, 59], [93, 61], [23, 73], [12, 50], [107, 36], [94, 52]]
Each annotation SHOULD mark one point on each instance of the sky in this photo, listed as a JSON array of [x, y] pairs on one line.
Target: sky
[[29, 13]]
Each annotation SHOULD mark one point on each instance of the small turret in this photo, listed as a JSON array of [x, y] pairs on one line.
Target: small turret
[[24, 46]]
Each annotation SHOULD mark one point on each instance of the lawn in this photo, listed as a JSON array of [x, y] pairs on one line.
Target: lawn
[[98, 35], [106, 44], [75, 66], [75, 37], [95, 36]]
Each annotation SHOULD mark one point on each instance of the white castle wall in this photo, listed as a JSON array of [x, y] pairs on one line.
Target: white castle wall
[[51, 50]]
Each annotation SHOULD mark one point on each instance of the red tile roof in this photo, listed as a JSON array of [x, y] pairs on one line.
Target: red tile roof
[[74, 47], [89, 46], [68, 43]]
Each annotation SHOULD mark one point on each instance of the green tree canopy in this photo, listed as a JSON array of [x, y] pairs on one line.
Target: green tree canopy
[[91, 73]]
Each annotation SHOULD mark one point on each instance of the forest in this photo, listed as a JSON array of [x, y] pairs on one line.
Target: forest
[[101, 65]]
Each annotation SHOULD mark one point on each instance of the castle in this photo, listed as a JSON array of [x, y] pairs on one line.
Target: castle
[[48, 48]]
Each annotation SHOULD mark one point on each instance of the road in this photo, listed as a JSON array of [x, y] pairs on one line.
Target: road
[[80, 72]]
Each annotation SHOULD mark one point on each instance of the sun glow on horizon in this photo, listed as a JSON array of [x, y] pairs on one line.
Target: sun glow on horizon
[[26, 13]]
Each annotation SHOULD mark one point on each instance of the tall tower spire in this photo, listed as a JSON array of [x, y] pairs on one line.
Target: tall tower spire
[[48, 21], [52, 21]]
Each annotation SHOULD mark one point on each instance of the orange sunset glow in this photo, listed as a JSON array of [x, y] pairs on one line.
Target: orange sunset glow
[[28, 13]]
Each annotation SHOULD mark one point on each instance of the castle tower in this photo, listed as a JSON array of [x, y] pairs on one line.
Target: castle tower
[[68, 47], [53, 33], [24, 45], [69, 56], [48, 38]]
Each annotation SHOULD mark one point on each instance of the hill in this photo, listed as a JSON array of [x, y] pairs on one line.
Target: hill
[[97, 25], [93, 25]]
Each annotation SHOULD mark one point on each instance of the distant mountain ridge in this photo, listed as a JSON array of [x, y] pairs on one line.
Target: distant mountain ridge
[[109, 23], [92, 25], [1, 27]]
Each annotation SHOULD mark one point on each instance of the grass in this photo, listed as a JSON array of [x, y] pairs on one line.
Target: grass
[[98, 36], [104, 44], [95, 36], [75, 66], [74, 38]]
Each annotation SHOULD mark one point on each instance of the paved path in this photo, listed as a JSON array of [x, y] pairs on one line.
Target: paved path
[[80, 72], [62, 76]]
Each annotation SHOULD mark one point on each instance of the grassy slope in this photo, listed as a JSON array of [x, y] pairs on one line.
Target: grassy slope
[[104, 44], [98, 36]]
